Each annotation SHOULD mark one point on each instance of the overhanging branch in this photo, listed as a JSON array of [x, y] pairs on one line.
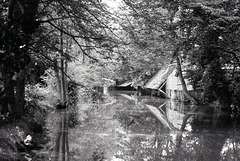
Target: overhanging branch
[[75, 40]]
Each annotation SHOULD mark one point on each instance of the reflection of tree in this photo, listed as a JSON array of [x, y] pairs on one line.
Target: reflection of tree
[[138, 122], [231, 150], [204, 143], [121, 129], [199, 147], [61, 145]]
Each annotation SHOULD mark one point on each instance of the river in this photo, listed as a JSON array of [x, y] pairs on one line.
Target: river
[[125, 127]]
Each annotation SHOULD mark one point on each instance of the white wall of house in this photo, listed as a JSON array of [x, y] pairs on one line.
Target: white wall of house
[[174, 85]]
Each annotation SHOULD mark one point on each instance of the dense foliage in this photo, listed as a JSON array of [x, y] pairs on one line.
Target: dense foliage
[[212, 30], [38, 35], [81, 40], [202, 34]]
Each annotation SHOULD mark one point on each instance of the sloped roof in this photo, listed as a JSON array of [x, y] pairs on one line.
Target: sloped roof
[[160, 77], [125, 84], [139, 83]]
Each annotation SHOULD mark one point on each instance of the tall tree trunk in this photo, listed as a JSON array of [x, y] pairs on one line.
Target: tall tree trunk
[[63, 83], [8, 95], [57, 74], [62, 69], [65, 80], [20, 93], [21, 14], [184, 87]]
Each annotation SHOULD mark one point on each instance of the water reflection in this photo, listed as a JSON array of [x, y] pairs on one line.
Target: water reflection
[[129, 128], [61, 148]]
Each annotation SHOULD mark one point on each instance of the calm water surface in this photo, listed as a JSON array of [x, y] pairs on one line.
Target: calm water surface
[[128, 128]]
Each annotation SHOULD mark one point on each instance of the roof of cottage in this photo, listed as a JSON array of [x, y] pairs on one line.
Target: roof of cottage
[[160, 77]]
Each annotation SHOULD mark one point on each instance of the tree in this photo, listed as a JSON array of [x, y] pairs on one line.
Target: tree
[[19, 23], [84, 33], [203, 34], [43, 31], [143, 38], [212, 28], [156, 35]]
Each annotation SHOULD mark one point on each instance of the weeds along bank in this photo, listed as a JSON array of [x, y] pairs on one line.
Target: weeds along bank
[[41, 118], [27, 138], [21, 139]]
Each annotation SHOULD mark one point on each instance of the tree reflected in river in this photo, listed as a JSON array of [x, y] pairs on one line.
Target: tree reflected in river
[[123, 128]]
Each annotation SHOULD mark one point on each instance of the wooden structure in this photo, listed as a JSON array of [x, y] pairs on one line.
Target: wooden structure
[[167, 82]]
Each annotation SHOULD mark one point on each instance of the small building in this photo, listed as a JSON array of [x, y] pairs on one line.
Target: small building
[[141, 91], [167, 82]]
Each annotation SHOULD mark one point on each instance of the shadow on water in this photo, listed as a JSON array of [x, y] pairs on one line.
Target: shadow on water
[[127, 128]]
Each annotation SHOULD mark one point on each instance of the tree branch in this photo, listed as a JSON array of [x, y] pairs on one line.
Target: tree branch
[[184, 87], [75, 40]]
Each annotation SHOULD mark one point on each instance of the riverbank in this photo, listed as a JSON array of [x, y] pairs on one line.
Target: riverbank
[[14, 144]]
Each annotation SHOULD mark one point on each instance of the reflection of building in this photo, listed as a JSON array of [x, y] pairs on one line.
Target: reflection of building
[[167, 81], [175, 113]]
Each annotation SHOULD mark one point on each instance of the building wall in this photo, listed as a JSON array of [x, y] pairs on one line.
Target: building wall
[[174, 86]]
